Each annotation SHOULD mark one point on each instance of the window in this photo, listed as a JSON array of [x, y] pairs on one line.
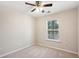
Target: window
[[53, 30]]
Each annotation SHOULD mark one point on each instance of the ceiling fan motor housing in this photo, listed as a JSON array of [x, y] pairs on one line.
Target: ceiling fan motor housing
[[38, 3]]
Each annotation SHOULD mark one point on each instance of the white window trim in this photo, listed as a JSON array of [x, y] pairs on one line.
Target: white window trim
[[58, 40]]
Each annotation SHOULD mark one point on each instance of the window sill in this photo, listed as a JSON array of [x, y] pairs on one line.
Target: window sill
[[54, 40]]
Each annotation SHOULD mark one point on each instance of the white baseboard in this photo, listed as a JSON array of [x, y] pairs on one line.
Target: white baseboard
[[58, 48], [15, 50], [39, 45]]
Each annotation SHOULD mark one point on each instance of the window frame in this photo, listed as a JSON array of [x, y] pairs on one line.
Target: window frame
[[57, 40]]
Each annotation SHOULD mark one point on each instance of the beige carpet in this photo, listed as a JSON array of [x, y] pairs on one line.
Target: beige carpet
[[40, 52]]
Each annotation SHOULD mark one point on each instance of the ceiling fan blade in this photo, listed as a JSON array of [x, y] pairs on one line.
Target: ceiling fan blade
[[33, 10], [47, 5], [30, 4]]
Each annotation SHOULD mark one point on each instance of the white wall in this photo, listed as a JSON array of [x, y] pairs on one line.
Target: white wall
[[68, 30], [16, 30]]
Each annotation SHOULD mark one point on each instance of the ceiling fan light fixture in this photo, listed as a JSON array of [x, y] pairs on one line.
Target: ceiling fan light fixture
[[38, 9]]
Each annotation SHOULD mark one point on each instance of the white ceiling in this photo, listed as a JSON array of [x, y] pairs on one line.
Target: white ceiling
[[57, 7]]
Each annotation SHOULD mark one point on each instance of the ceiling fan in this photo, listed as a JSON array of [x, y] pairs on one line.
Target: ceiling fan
[[39, 4]]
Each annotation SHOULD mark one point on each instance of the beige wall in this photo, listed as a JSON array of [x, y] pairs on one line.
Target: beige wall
[[68, 30], [16, 30], [78, 31]]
